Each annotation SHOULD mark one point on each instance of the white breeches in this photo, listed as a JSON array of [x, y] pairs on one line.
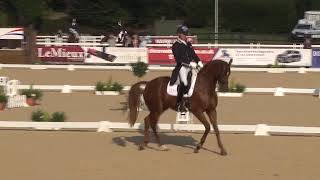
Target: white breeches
[[183, 74]]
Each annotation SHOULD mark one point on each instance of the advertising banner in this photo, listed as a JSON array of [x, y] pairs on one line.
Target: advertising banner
[[61, 54], [164, 56], [74, 54], [316, 57], [11, 33], [122, 55], [264, 57]]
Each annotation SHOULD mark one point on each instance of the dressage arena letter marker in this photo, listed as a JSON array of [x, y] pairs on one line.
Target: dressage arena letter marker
[[279, 91], [71, 67], [262, 130], [66, 89], [276, 70], [302, 70], [104, 127]]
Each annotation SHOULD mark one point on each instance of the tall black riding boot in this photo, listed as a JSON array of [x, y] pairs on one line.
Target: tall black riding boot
[[180, 101]]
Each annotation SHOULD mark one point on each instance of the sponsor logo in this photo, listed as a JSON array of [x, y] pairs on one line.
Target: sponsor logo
[[316, 53], [61, 52]]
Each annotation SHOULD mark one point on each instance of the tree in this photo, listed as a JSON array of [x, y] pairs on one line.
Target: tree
[[98, 13], [29, 12]]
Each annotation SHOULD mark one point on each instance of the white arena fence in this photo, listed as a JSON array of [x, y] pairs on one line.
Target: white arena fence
[[95, 40], [107, 126], [72, 67], [278, 91], [17, 101]]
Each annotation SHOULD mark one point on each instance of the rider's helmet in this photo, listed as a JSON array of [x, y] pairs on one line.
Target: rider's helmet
[[183, 30]]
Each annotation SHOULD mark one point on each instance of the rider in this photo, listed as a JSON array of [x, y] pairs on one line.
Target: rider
[[184, 55]]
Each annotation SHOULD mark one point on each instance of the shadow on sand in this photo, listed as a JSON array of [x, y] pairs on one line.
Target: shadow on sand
[[176, 140]]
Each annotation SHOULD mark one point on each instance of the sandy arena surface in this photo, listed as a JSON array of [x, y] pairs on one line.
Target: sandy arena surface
[[98, 156], [72, 155]]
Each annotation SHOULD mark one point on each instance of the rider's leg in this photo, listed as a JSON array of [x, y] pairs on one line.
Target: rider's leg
[[179, 104], [183, 85]]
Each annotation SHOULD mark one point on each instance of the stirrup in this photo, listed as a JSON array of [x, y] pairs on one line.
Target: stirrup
[[182, 109]]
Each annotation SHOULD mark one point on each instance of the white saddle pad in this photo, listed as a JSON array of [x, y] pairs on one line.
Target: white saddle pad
[[173, 90]]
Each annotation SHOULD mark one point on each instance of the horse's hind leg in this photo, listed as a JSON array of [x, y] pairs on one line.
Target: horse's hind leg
[[213, 119], [154, 118], [146, 133], [204, 121]]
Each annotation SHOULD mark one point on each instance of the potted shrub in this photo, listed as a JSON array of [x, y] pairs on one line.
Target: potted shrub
[[139, 69], [3, 101], [43, 116], [58, 117], [40, 116], [234, 90], [108, 88], [33, 95]]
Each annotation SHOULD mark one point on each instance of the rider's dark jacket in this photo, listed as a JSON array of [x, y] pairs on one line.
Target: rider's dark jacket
[[183, 54]]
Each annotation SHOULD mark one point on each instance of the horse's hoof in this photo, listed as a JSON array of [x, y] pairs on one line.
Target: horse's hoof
[[164, 148], [196, 150], [141, 147], [223, 153]]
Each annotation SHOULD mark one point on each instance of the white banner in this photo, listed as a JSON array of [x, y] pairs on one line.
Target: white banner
[[11, 33], [263, 57], [123, 55]]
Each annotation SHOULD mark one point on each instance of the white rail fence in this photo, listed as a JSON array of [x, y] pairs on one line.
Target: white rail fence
[[17, 101], [107, 126], [95, 41], [10, 88], [152, 67], [278, 91]]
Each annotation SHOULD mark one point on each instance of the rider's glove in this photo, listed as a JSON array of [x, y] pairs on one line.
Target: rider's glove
[[200, 64], [193, 65]]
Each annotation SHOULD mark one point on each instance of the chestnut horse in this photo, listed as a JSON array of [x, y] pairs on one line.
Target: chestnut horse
[[203, 99]]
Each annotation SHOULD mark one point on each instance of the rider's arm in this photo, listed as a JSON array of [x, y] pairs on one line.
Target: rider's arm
[[177, 53], [193, 54]]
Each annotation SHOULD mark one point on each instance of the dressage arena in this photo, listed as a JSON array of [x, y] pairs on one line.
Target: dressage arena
[[28, 155]]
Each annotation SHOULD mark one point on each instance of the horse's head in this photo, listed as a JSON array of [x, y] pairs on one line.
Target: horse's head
[[223, 75]]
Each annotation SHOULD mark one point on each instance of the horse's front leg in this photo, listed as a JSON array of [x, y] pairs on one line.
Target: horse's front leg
[[204, 121], [213, 119]]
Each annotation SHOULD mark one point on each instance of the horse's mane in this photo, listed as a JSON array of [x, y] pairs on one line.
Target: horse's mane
[[207, 66]]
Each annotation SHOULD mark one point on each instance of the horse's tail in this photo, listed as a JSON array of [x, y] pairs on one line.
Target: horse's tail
[[134, 100]]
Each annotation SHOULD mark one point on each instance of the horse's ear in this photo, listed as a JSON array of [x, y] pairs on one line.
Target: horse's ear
[[230, 62]]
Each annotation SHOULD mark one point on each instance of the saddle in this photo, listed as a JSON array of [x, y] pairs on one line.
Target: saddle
[[172, 90]]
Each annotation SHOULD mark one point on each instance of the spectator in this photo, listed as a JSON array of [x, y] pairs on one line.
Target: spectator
[[112, 40], [74, 32], [59, 36], [135, 42], [307, 42], [122, 35], [144, 41], [127, 40]]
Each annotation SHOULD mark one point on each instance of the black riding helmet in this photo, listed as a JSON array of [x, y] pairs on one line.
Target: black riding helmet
[[183, 30]]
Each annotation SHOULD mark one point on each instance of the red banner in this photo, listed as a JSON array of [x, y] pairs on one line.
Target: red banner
[[61, 54], [164, 56]]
